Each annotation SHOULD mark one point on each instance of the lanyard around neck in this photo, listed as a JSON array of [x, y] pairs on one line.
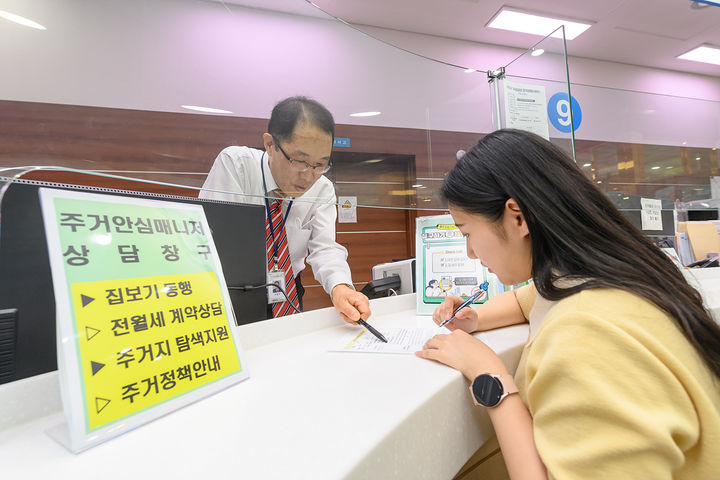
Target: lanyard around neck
[[269, 215]]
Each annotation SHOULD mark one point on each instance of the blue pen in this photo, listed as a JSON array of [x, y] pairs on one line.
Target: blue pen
[[472, 298]]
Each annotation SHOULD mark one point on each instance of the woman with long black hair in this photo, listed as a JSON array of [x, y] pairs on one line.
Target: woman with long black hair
[[620, 377]]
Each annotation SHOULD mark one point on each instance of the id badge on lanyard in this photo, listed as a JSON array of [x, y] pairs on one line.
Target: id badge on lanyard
[[276, 276]]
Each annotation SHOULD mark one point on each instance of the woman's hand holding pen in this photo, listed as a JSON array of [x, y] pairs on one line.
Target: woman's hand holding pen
[[466, 319], [460, 350]]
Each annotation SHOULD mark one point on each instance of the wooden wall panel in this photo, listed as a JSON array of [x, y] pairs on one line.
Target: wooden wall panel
[[364, 251], [368, 249], [116, 139], [376, 219]]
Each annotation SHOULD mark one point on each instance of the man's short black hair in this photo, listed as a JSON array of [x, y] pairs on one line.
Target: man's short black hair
[[288, 113]]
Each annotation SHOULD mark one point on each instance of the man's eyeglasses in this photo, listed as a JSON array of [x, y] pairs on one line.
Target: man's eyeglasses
[[301, 166]]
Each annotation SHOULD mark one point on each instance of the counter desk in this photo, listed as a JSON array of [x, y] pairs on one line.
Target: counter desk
[[304, 412]]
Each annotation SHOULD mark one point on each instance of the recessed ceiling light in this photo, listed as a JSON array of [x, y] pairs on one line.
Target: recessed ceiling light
[[365, 114], [587, 165], [626, 198], [655, 168], [704, 54], [537, 52], [697, 158], [525, 22], [684, 143], [470, 70], [599, 181], [20, 20], [205, 109]]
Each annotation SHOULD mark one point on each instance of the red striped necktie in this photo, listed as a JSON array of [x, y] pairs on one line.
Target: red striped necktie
[[283, 258]]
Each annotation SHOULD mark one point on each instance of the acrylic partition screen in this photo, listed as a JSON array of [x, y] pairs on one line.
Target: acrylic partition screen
[[98, 98], [533, 93]]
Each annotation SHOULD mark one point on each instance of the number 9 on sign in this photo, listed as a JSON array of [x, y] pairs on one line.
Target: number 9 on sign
[[558, 110]]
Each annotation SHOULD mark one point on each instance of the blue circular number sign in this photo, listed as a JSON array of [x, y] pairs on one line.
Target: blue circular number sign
[[558, 110]]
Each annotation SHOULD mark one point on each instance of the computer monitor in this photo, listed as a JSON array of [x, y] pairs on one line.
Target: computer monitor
[[704, 214], [27, 301]]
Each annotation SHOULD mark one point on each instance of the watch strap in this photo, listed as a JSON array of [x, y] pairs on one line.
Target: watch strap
[[508, 383]]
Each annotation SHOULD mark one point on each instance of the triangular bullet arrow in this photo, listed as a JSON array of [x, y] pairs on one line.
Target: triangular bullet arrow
[[91, 332], [85, 299], [96, 366], [101, 403]]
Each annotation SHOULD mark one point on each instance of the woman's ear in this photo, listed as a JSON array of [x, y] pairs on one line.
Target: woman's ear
[[514, 218]]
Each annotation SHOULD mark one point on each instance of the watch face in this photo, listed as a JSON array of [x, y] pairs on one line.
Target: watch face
[[487, 390]]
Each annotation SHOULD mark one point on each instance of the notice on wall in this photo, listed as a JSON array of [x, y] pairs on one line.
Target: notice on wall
[[650, 215], [525, 108], [145, 325], [347, 209], [444, 268]]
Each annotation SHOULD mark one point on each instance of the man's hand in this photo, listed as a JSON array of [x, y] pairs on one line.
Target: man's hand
[[351, 304]]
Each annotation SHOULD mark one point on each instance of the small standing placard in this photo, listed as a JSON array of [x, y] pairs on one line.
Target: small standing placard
[[145, 325], [443, 267]]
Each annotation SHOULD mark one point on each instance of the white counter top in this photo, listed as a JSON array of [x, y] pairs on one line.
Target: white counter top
[[303, 413]]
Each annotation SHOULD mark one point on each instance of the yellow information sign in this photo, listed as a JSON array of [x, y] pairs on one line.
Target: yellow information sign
[[146, 340], [145, 324]]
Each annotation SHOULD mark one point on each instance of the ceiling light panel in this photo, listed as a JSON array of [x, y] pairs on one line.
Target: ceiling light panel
[[21, 20], [535, 24], [704, 54]]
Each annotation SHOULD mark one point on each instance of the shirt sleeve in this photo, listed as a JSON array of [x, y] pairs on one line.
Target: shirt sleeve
[[227, 174], [327, 258], [603, 405]]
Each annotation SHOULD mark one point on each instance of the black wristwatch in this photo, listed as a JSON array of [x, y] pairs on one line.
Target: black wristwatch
[[489, 390]]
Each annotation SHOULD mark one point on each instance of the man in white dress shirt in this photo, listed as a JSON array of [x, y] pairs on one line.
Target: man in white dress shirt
[[297, 152]]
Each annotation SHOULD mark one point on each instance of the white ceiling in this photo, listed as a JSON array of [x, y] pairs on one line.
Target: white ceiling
[[650, 33]]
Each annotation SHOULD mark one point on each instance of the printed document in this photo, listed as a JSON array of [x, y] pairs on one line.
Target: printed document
[[406, 340]]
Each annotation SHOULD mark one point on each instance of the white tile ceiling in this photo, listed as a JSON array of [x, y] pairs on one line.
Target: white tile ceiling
[[638, 32]]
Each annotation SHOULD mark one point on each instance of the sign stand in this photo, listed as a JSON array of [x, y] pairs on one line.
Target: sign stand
[[144, 320], [443, 267]]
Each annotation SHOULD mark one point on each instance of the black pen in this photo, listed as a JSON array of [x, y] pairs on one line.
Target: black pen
[[372, 330]]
